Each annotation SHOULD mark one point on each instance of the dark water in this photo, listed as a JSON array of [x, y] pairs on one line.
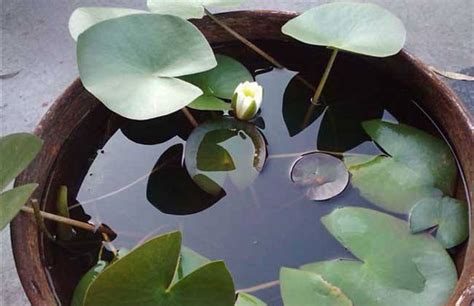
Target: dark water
[[268, 225], [256, 231]]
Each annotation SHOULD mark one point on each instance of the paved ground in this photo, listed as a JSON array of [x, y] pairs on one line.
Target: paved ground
[[35, 41]]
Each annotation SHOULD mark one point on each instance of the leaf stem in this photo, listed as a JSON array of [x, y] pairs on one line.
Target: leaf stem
[[322, 83], [64, 220], [259, 287], [190, 116], [40, 221]]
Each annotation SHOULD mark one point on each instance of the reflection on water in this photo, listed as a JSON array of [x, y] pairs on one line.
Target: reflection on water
[[216, 189]]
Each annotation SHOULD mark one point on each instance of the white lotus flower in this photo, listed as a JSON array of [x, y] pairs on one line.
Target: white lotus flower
[[247, 100]]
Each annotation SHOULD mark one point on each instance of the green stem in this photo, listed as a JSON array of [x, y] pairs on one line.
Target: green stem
[[322, 83], [40, 221]]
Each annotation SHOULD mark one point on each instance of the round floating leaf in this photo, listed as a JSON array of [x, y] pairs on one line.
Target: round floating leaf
[[421, 166], [85, 17], [12, 201], [244, 299], [144, 277], [16, 152], [306, 288], [298, 111], [218, 83], [322, 175], [188, 8], [222, 150], [86, 280], [425, 154], [450, 216], [131, 63], [395, 267], [171, 189], [363, 28]]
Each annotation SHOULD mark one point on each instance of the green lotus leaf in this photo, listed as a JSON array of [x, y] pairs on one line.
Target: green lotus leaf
[[81, 289], [132, 63], [16, 152], [84, 17], [222, 150], [425, 154], [244, 299], [218, 83], [12, 201], [363, 28], [144, 277], [394, 267], [419, 166], [307, 288], [188, 8], [450, 216]]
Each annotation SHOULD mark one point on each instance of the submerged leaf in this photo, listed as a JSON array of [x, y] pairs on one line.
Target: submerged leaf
[[450, 216], [225, 149], [12, 201], [420, 166], [172, 190], [395, 267], [85, 17], [16, 152], [187, 8], [135, 71], [298, 111], [244, 299], [363, 28], [144, 277], [306, 288], [322, 175]]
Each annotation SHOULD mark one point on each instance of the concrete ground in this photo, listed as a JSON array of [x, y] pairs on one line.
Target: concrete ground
[[35, 43]]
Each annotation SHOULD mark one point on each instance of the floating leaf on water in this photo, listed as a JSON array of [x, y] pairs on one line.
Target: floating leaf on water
[[420, 166], [16, 152], [395, 267], [144, 277], [189, 261], [172, 190], [85, 17], [322, 175], [244, 299], [81, 289], [225, 150], [450, 216], [306, 288], [218, 83], [136, 71], [188, 8], [298, 111], [12, 201], [363, 28]]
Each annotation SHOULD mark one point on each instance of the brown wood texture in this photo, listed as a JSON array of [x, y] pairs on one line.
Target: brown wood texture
[[76, 105]]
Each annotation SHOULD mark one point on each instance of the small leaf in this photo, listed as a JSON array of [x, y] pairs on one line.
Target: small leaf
[[322, 175], [225, 149], [449, 215], [135, 71], [12, 201], [144, 277], [171, 189], [298, 111], [306, 288], [16, 152], [85, 17], [363, 28], [187, 8], [209, 103], [81, 289], [393, 268], [244, 299]]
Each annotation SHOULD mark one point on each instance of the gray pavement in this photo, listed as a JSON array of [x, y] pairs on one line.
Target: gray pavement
[[35, 42]]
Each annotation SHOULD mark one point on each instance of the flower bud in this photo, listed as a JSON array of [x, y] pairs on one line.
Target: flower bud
[[247, 100]]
